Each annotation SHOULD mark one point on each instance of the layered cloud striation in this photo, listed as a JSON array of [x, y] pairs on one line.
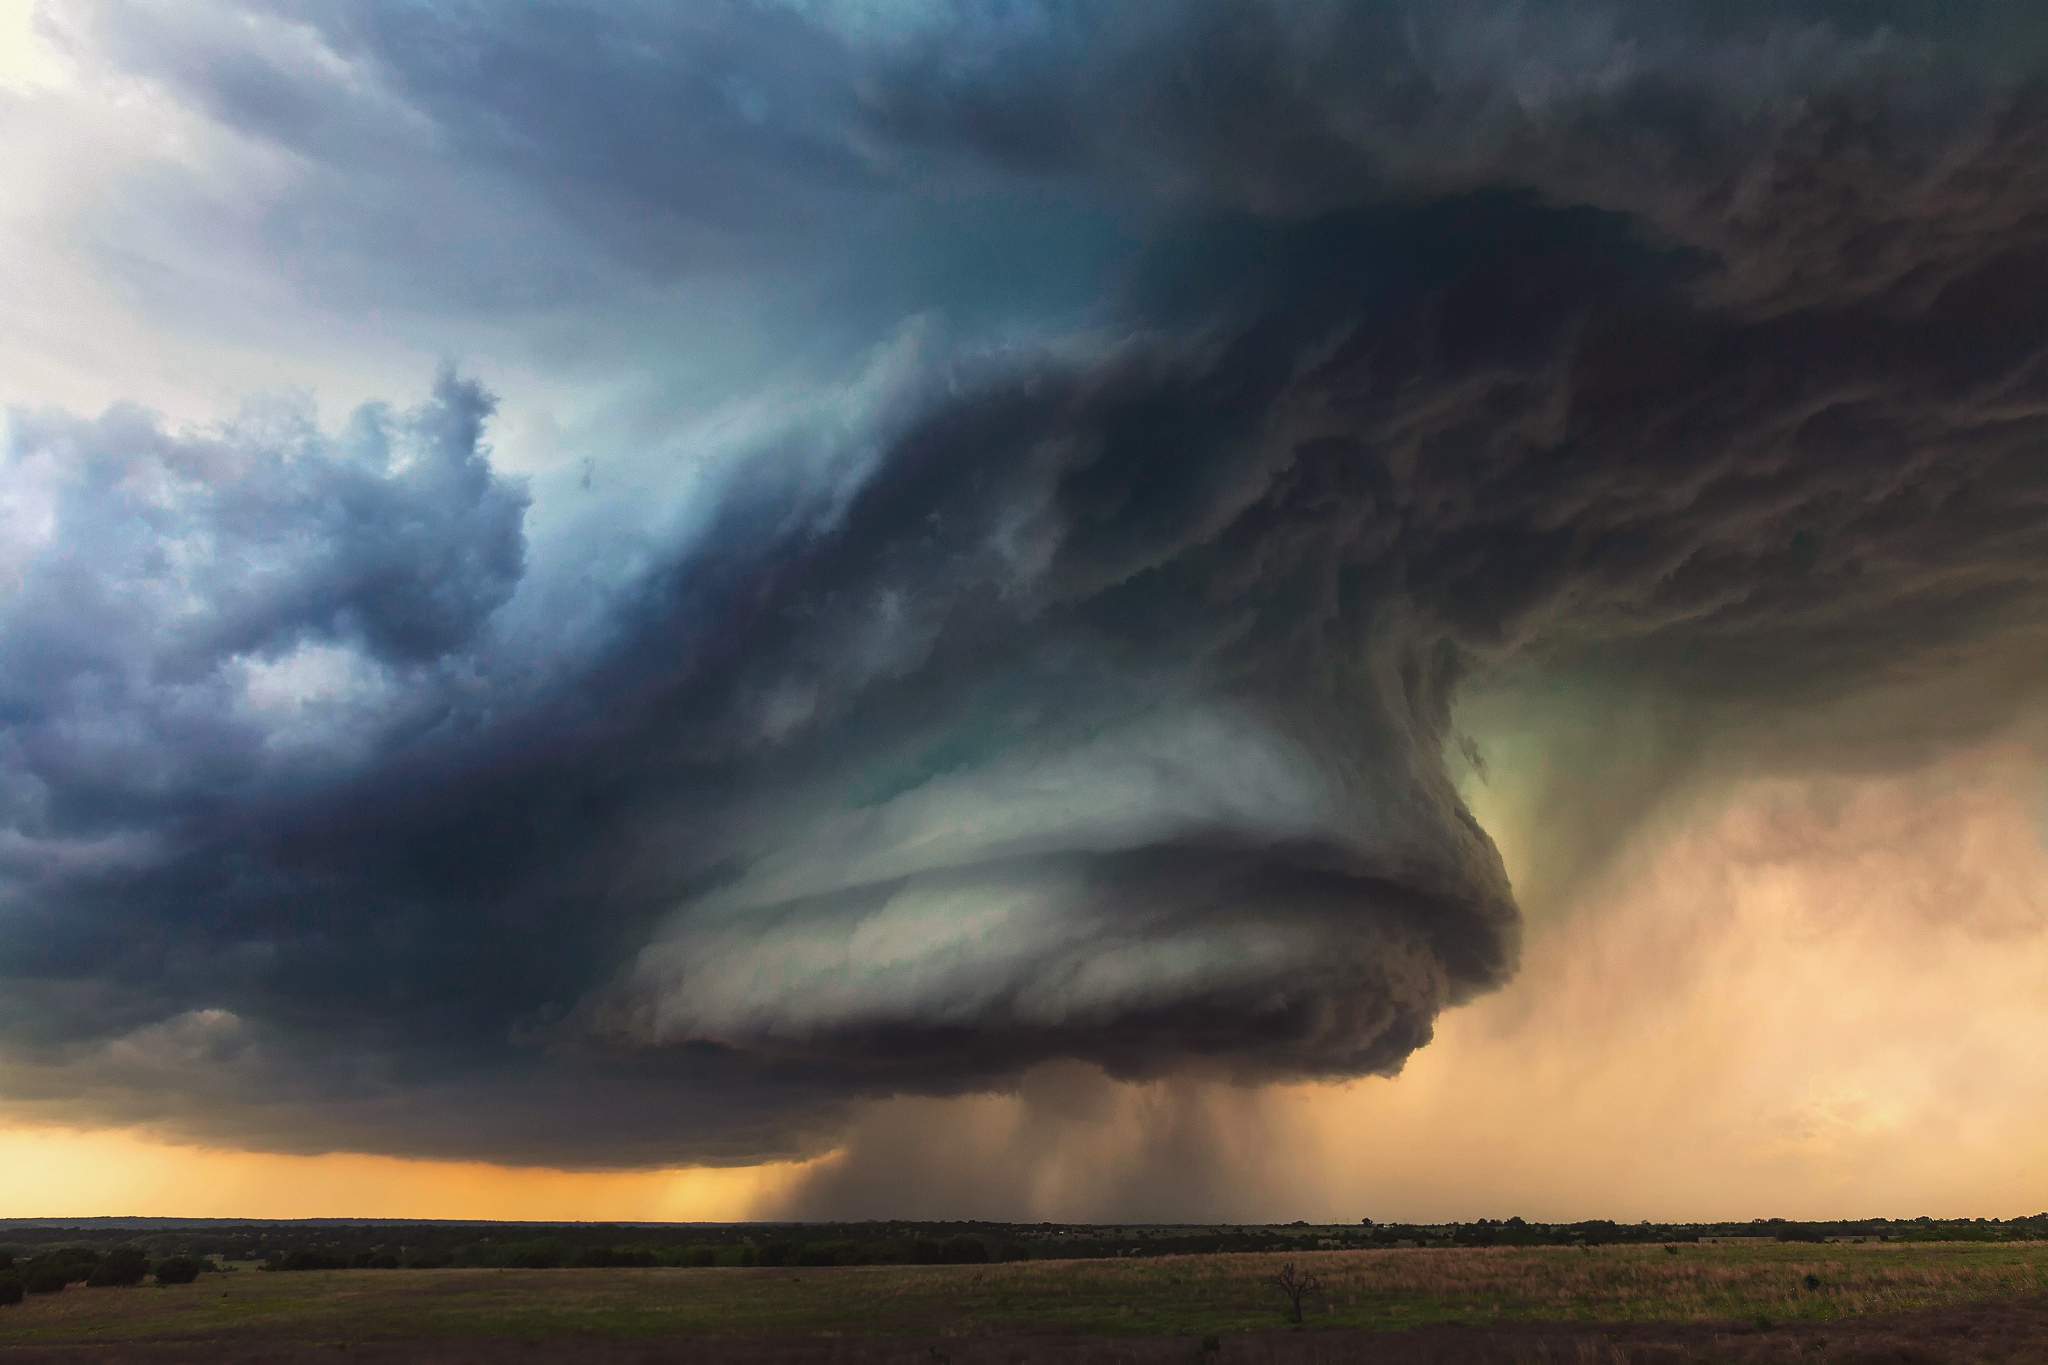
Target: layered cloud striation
[[1090, 698]]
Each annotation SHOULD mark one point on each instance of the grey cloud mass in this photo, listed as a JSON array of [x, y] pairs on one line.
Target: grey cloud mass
[[1089, 696], [182, 609]]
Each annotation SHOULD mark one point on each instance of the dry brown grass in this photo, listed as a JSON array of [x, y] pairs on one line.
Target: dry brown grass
[[1192, 1296]]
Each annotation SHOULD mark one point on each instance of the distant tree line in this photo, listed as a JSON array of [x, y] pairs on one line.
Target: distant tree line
[[554, 1253], [1603, 1232], [50, 1250]]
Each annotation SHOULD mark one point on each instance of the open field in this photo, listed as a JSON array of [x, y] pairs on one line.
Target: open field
[[1794, 1293]]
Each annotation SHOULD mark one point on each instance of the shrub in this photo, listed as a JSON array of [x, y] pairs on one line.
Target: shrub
[[614, 1257], [10, 1287], [963, 1251], [179, 1269], [699, 1255], [68, 1264], [542, 1255], [122, 1268], [426, 1260], [843, 1252], [305, 1260], [6, 1260], [47, 1279], [1296, 1285], [373, 1260]]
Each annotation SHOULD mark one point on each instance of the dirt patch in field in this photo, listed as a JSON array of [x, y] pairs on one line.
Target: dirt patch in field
[[2005, 1333]]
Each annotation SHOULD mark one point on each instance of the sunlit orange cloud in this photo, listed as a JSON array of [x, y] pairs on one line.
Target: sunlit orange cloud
[[1820, 998], [48, 1172]]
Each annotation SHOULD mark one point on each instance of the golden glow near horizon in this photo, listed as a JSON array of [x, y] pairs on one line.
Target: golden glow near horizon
[[57, 1173], [1813, 998]]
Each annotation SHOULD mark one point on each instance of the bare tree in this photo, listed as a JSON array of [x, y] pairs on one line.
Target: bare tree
[[1296, 1286]]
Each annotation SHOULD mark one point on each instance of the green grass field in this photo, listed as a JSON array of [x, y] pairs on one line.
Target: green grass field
[[1202, 1294]]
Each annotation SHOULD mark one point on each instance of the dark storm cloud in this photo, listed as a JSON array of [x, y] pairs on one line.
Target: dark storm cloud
[[1091, 702], [644, 121]]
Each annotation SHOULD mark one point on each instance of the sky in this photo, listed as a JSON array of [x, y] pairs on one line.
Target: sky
[[1046, 611]]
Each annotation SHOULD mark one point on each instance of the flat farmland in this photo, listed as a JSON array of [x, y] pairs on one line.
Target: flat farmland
[[1392, 1302]]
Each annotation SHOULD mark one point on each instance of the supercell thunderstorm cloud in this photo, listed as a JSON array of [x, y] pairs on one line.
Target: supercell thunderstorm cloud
[[1199, 399]]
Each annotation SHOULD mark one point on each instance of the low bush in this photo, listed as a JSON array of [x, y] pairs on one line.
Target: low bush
[[305, 1260], [609, 1257], [179, 1269], [542, 1255], [828, 1253], [10, 1287], [65, 1265], [963, 1251], [121, 1268], [46, 1280]]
